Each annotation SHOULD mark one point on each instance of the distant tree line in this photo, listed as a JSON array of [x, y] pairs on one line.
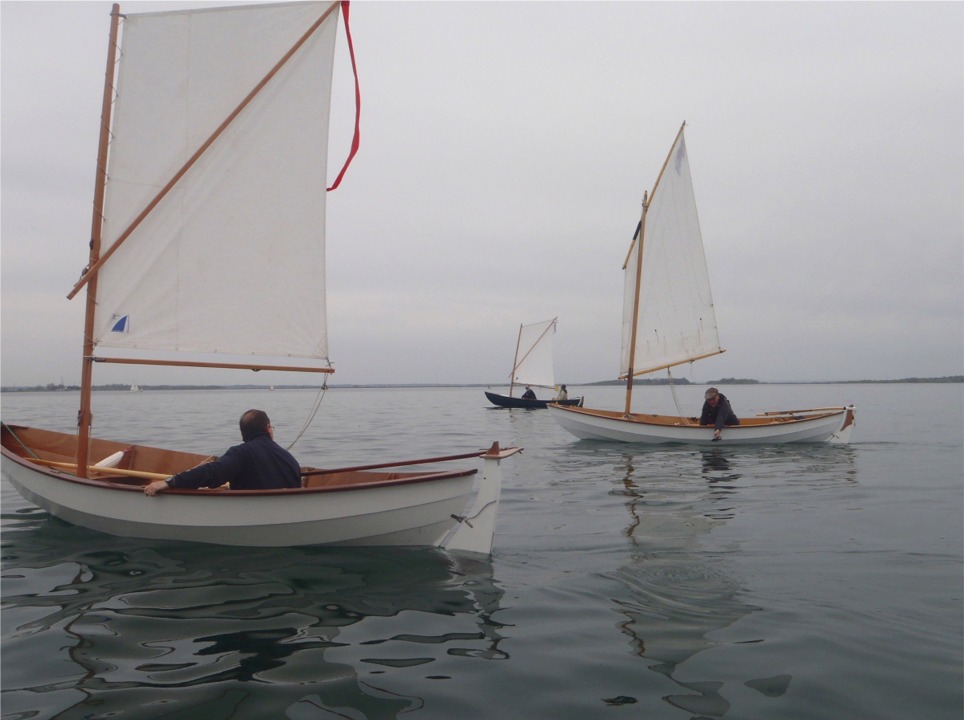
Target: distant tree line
[[680, 381], [945, 379], [748, 381], [54, 387]]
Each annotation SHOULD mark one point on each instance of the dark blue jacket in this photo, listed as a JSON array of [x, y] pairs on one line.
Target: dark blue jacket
[[257, 464], [720, 415]]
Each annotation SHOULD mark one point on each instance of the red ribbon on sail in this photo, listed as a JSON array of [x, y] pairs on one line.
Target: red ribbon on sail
[[355, 139]]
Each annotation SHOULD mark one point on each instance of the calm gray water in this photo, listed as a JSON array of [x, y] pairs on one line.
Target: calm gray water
[[798, 582]]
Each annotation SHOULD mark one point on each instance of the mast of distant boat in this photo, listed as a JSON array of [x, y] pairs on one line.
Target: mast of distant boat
[[515, 362]]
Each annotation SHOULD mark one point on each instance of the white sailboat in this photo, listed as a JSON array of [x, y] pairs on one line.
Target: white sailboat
[[208, 249], [669, 320], [533, 366]]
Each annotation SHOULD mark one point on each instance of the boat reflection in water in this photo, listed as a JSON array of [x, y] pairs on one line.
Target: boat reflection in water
[[680, 594], [158, 630]]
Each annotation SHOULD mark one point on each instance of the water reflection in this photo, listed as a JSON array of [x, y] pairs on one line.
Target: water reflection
[[679, 590], [717, 466], [157, 630]]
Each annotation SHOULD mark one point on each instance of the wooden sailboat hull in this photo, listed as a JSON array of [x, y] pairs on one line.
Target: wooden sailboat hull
[[829, 425], [506, 401], [350, 507]]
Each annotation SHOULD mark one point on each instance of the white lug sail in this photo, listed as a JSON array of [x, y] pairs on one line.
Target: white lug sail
[[194, 276], [533, 360], [676, 322]]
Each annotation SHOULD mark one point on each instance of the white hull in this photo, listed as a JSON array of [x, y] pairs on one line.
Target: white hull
[[414, 512], [805, 427]]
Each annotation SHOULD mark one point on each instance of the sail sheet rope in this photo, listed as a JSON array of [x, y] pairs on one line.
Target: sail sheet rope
[[351, 156], [672, 387], [311, 415]]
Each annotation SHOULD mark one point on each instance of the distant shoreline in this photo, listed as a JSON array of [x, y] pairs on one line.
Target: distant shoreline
[[51, 387]]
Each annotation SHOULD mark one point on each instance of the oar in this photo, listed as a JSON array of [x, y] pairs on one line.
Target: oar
[[426, 461], [104, 470], [795, 412]]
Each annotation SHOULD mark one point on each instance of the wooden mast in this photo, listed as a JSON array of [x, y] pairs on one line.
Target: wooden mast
[[632, 333], [515, 362], [96, 228]]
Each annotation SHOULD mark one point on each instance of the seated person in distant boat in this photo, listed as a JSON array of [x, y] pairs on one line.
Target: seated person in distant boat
[[563, 393], [717, 412], [528, 394], [259, 463]]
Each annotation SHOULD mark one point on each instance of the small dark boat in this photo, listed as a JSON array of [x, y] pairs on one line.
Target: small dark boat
[[532, 367], [507, 401]]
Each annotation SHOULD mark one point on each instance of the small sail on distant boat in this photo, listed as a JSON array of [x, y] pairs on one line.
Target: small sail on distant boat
[[533, 367], [213, 150], [669, 320]]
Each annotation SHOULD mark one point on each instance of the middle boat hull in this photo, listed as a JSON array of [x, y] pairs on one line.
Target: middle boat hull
[[832, 426]]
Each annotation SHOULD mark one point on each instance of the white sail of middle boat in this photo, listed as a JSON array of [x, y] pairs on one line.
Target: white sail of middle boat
[[675, 321]]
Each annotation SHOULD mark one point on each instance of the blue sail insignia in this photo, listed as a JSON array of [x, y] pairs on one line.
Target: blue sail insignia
[[120, 324]]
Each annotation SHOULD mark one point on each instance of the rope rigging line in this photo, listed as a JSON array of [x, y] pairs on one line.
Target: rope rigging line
[[672, 387], [314, 411], [468, 519], [19, 441]]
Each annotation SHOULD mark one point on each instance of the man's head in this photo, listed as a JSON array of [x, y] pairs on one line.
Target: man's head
[[712, 396], [253, 423]]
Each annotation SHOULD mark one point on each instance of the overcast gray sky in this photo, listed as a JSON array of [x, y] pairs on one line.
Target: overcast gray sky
[[504, 154]]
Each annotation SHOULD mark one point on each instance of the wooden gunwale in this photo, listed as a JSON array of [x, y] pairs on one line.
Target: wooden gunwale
[[353, 480]]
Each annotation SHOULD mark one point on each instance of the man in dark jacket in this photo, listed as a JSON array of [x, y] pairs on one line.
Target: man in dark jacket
[[259, 463], [717, 412]]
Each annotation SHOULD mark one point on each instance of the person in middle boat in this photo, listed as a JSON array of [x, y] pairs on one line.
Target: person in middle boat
[[717, 412], [563, 393], [528, 394], [259, 463]]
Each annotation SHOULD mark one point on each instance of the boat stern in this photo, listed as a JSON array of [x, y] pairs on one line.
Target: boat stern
[[842, 435], [474, 531]]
